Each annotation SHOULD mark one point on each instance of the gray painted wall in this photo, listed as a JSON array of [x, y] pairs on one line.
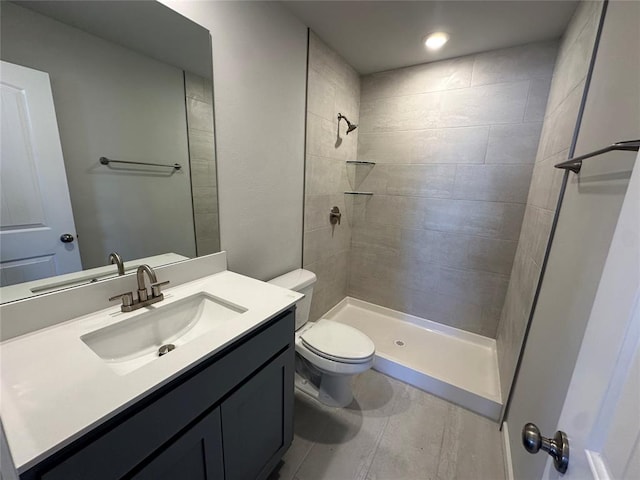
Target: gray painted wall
[[586, 224], [561, 114], [259, 70], [113, 102], [333, 87], [454, 144]]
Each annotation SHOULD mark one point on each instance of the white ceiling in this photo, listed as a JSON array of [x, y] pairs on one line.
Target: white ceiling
[[150, 28], [373, 36]]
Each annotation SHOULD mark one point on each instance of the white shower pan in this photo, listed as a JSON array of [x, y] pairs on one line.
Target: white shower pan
[[456, 365]]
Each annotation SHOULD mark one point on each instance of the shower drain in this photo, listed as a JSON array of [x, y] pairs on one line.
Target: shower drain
[[400, 343]]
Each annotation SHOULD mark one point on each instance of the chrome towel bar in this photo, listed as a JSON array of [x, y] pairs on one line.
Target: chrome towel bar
[[107, 161], [574, 164]]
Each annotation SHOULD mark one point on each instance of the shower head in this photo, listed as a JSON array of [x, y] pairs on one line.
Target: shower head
[[350, 126]]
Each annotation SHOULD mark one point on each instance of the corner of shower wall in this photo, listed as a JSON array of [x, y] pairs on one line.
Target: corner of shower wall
[[561, 114], [333, 87]]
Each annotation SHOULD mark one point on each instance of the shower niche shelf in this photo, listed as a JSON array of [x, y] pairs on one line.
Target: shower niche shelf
[[359, 162], [358, 193]]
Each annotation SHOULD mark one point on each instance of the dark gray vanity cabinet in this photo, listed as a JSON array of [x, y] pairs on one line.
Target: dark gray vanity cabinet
[[229, 418], [196, 455], [252, 421]]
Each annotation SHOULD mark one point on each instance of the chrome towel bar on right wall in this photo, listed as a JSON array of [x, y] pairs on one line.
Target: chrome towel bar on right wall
[[574, 164]]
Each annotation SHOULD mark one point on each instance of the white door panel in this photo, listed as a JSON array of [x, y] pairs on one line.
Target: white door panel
[[35, 206], [601, 412]]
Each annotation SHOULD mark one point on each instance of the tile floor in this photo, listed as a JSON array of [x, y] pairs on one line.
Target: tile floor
[[391, 431]]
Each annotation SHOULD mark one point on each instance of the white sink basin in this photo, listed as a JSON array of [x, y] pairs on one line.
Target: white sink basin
[[134, 342]]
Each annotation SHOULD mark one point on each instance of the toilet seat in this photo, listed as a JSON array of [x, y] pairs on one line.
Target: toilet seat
[[338, 342]]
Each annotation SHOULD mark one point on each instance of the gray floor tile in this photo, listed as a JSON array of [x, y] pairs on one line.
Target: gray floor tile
[[471, 448], [391, 431], [410, 445]]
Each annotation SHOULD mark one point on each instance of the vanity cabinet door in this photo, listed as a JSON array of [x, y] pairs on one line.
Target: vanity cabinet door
[[196, 455], [257, 421]]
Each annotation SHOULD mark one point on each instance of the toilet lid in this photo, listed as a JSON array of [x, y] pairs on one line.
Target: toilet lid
[[333, 339]]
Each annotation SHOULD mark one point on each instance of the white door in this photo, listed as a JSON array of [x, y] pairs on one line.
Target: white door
[[36, 209], [601, 412]]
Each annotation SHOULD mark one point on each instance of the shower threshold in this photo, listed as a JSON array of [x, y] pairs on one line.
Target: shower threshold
[[456, 365]]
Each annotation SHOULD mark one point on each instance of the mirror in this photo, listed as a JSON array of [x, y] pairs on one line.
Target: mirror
[[108, 142]]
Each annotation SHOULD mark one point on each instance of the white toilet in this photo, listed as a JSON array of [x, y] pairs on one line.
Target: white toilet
[[328, 353]]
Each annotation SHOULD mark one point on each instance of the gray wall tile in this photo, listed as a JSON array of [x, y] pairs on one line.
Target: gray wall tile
[[333, 87], [487, 219], [546, 181], [481, 288], [333, 274], [484, 105], [560, 118], [440, 145], [489, 254], [325, 176], [561, 123], [516, 143], [203, 174], [429, 77], [201, 145], [438, 238], [436, 181], [194, 86], [200, 115], [401, 113], [575, 54], [537, 100], [455, 156], [493, 183], [199, 99], [205, 200], [325, 242], [322, 136], [516, 63], [321, 95]]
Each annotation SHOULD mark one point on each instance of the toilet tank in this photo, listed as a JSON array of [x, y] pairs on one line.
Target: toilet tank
[[301, 281]]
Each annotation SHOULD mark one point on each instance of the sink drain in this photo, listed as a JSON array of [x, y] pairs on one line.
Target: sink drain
[[164, 349], [400, 343]]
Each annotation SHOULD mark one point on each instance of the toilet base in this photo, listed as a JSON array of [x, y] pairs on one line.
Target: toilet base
[[333, 390]]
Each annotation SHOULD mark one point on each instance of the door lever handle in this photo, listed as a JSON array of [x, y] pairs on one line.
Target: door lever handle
[[557, 447]]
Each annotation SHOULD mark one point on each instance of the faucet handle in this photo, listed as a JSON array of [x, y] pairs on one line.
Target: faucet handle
[[127, 299], [156, 288]]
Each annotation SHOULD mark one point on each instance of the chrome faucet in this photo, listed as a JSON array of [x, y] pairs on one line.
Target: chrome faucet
[[143, 293], [114, 257], [130, 304]]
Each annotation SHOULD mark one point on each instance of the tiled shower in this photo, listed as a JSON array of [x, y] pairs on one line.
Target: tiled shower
[[454, 147]]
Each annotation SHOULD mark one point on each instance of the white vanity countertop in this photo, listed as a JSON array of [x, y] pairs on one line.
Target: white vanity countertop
[[54, 388]]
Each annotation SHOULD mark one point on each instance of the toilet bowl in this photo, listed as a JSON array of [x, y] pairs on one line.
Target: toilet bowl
[[328, 353]]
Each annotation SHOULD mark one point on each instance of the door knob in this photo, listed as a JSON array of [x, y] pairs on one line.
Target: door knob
[[557, 447], [66, 238]]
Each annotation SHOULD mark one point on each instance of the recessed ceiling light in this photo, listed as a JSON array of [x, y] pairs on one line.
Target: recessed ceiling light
[[435, 40]]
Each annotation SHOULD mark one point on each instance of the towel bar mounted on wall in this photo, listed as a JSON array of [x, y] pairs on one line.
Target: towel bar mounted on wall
[[574, 164], [107, 161]]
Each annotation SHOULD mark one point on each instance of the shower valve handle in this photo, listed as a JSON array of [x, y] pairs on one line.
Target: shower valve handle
[[335, 216]]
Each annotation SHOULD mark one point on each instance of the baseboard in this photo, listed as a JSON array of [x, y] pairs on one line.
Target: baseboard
[[506, 449]]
